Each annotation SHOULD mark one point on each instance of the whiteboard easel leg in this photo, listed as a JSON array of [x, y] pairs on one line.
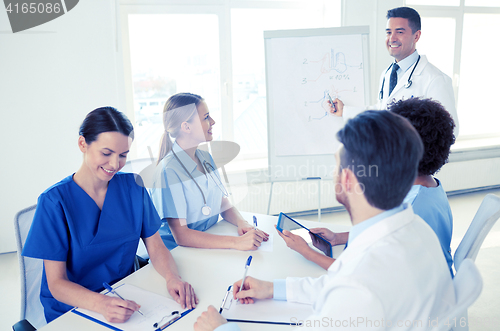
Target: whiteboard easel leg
[[319, 200], [270, 196]]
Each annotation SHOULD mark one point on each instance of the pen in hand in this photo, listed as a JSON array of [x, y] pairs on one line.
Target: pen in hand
[[249, 260], [255, 223], [110, 289], [225, 299], [331, 102]]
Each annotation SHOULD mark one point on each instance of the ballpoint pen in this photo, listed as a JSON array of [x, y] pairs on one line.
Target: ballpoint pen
[[110, 289], [255, 223], [331, 102], [225, 299], [249, 260]]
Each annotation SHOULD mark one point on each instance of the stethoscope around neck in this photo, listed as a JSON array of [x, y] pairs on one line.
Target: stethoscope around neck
[[205, 210], [408, 83]]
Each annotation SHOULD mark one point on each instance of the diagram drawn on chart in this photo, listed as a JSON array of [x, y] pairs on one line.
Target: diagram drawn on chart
[[305, 72], [331, 63], [319, 109]]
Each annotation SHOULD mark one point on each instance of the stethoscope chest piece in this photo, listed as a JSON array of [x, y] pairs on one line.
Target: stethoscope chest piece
[[408, 84], [205, 210]]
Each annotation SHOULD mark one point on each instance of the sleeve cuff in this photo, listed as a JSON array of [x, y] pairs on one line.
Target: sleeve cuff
[[228, 327], [279, 292]]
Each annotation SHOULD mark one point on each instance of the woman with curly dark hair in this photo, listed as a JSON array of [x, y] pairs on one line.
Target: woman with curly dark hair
[[427, 196]]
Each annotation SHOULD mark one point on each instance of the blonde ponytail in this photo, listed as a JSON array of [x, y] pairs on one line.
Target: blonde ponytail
[[165, 146], [179, 108]]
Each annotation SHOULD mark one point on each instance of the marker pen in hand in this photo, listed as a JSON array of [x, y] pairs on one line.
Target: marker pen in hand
[[110, 289], [331, 102], [249, 260]]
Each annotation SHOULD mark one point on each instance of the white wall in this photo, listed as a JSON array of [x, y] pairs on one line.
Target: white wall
[[51, 76]]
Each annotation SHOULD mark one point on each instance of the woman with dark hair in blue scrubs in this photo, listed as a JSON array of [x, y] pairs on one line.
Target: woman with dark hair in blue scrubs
[[87, 227]]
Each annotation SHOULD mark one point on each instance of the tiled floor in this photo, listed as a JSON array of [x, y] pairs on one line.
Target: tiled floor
[[483, 315]]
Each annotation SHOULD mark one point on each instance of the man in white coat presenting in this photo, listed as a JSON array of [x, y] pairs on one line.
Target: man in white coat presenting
[[392, 275], [411, 74]]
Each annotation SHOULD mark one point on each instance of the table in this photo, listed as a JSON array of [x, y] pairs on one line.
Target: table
[[211, 271]]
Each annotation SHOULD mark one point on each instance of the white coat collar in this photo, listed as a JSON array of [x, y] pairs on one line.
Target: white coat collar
[[372, 235], [421, 65]]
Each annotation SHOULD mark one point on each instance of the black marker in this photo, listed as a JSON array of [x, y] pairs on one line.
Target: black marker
[[331, 102]]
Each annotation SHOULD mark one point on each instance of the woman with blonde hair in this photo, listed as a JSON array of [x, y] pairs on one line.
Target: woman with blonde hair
[[187, 191]]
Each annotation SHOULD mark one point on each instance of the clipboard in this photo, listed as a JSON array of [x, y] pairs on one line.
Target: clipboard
[[264, 311], [157, 310]]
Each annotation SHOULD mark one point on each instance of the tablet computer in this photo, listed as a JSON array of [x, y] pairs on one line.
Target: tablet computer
[[287, 223]]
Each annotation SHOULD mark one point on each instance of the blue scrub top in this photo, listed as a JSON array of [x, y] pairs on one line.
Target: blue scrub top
[[97, 246], [175, 195], [431, 204]]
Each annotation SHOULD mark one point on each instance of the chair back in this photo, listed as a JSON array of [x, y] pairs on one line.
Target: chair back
[[486, 216], [30, 271], [468, 285]]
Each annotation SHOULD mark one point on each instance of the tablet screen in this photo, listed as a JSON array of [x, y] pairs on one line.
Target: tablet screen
[[287, 223], [295, 228]]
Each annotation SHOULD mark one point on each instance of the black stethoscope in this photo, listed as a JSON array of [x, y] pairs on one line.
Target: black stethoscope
[[408, 83], [205, 210]]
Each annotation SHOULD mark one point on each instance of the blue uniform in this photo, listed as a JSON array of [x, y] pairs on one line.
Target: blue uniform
[[97, 246], [175, 195], [431, 203]]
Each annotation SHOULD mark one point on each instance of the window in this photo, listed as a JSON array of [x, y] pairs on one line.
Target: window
[[439, 51], [433, 2], [478, 105], [457, 30], [171, 53], [215, 49], [248, 66], [483, 3]]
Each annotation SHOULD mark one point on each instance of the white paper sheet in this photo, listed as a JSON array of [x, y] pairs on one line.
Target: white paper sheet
[[267, 311], [153, 306]]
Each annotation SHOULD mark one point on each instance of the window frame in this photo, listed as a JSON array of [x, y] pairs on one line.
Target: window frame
[[151, 7], [476, 142], [221, 8]]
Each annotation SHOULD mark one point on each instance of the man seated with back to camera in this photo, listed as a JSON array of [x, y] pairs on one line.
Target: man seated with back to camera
[[393, 268], [427, 196]]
